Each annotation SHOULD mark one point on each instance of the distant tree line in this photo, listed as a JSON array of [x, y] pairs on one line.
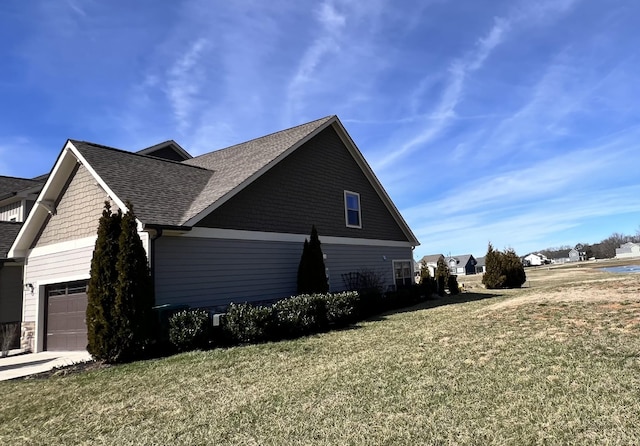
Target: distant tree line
[[605, 249]]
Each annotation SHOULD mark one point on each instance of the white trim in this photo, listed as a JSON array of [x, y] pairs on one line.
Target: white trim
[[346, 210], [393, 269], [97, 177], [62, 246], [234, 234]]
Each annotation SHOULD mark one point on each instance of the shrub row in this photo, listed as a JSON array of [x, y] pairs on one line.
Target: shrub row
[[286, 319]]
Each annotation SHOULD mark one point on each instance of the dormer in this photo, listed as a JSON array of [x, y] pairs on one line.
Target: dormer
[[168, 150]]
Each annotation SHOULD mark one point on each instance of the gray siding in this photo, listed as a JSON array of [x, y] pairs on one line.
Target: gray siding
[[307, 188], [213, 272], [10, 293]]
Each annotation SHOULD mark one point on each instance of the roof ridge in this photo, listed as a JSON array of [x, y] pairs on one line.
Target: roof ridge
[[263, 136], [115, 149], [18, 178]]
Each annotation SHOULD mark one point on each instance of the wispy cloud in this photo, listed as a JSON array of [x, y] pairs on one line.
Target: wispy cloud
[[184, 82], [332, 23], [442, 115], [460, 69]]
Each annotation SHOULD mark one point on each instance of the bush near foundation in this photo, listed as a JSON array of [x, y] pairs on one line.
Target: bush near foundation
[[190, 330]]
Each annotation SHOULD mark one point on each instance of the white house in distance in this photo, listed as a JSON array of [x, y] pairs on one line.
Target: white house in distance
[[628, 250], [536, 259]]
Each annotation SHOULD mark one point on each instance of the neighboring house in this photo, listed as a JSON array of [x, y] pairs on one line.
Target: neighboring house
[[462, 265], [201, 218], [431, 262], [481, 266], [535, 259], [574, 255], [560, 257], [628, 250], [17, 197]]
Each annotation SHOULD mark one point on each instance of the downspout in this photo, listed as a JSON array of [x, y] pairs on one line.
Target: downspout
[[157, 233]]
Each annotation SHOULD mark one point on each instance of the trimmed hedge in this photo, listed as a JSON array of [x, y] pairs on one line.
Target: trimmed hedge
[[190, 329], [289, 318], [248, 324], [301, 315], [342, 308]]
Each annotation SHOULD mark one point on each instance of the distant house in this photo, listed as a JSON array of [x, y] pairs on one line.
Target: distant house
[[574, 255], [535, 259], [628, 250], [462, 265], [431, 262], [566, 256], [481, 266]]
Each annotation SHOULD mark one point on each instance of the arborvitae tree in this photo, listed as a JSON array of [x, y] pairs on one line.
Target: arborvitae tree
[[312, 277], [514, 269], [504, 269], [428, 284], [101, 293], [493, 276], [442, 275], [303, 269], [134, 292], [452, 284]]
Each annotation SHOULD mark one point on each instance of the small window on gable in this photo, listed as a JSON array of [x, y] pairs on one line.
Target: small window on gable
[[352, 209]]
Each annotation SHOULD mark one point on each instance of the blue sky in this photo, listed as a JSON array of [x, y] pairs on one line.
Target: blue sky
[[515, 122]]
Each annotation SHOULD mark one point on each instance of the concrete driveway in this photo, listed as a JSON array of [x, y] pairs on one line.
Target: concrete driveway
[[19, 365]]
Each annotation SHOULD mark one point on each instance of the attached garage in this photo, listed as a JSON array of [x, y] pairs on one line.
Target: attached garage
[[66, 327]]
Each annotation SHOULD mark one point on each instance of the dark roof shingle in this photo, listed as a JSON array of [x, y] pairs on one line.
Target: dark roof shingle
[[171, 193], [12, 185]]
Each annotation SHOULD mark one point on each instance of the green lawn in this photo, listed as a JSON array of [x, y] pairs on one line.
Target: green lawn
[[549, 364]]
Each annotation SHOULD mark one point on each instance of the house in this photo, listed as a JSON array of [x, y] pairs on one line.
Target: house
[[200, 219], [462, 265], [17, 197], [574, 255], [431, 262], [481, 266], [535, 259], [628, 250]]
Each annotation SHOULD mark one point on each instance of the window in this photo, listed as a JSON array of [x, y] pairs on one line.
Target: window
[[352, 209], [402, 273]]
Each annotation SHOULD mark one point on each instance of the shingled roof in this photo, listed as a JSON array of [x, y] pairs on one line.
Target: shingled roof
[[8, 233], [171, 193], [11, 185], [161, 191]]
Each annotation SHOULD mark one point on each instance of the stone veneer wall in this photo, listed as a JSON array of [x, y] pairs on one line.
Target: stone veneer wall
[[27, 336]]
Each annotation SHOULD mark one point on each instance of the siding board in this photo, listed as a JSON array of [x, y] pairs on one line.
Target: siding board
[[214, 272], [54, 268], [307, 188]]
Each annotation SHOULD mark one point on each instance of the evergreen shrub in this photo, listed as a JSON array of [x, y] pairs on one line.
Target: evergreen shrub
[[503, 269], [452, 284], [248, 324], [190, 329], [301, 315], [342, 308]]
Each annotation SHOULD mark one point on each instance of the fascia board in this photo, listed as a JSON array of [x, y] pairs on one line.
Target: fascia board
[[63, 167], [368, 171]]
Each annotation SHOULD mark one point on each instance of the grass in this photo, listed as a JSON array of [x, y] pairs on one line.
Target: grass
[[555, 363]]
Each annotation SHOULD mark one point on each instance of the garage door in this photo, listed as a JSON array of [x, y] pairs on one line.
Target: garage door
[[66, 312]]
